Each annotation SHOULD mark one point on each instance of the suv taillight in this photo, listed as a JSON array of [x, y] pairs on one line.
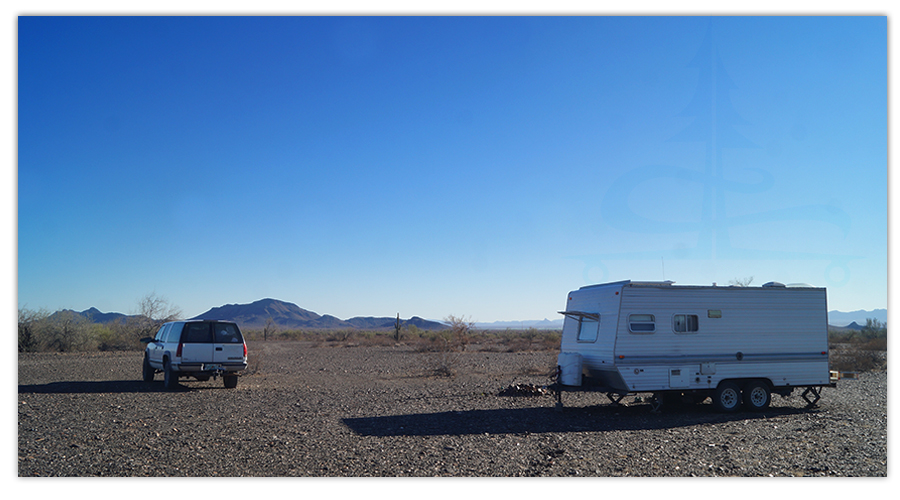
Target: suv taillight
[[245, 349], [178, 351]]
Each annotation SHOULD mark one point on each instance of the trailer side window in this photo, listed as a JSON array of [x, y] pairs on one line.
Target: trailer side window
[[685, 323], [641, 323], [588, 328]]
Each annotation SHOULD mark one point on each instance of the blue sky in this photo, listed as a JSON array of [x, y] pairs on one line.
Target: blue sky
[[480, 167]]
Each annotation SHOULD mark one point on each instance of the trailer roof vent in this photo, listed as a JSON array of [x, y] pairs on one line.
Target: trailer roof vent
[[773, 284]]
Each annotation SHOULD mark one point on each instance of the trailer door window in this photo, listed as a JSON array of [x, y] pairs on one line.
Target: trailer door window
[[588, 328], [685, 323], [641, 323]]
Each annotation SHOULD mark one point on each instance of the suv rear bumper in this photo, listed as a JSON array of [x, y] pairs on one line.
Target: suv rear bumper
[[209, 367]]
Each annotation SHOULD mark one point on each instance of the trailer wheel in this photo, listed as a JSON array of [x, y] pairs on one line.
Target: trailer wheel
[[757, 396], [727, 397]]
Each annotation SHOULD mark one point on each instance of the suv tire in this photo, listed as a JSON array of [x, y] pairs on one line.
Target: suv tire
[[170, 378], [148, 370], [230, 381]]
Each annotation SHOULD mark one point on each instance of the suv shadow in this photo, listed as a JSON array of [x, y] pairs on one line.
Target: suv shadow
[[105, 387]]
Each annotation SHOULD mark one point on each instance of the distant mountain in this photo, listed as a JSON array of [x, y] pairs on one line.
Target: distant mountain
[[838, 318], [93, 315], [370, 323], [287, 315], [96, 316], [844, 329], [544, 324], [284, 314]]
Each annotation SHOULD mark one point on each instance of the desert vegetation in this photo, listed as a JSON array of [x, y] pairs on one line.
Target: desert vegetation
[[859, 350], [68, 331], [444, 346]]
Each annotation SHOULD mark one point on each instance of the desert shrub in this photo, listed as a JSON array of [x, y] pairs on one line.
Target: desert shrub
[[255, 359], [367, 338], [430, 342], [445, 358], [528, 340], [859, 350], [339, 335], [294, 335], [858, 356], [460, 333], [876, 344], [67, 331], [857, 360], [380, 339], [32, 328], [114, 337], [551, 340], [445, 346], [518, 345]]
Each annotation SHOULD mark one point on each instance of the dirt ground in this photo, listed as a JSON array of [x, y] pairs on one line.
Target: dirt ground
[[350, 411]]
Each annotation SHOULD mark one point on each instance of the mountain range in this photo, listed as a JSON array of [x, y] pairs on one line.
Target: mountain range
[[287, 315], [291, 316], [544, 324], [838, 318]]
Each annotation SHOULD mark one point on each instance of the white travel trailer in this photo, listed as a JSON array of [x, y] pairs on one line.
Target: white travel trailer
[[733, 344]]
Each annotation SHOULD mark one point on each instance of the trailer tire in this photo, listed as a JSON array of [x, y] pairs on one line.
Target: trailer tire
[[727, 397], [757, 395]]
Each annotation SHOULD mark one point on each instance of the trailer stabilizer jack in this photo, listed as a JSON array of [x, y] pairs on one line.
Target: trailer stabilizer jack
[[615, 397], [816, 393]]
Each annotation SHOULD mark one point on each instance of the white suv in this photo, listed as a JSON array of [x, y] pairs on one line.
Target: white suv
[[199, 349]]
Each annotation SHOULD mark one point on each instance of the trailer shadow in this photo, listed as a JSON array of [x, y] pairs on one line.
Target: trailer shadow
[[100, 387], [549, 420]]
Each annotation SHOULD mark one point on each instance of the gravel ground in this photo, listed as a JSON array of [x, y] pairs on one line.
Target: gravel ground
[[307, 410]]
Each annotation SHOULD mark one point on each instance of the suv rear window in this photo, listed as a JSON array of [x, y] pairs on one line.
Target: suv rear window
[[226, 332], [196, 333], [202, 333]]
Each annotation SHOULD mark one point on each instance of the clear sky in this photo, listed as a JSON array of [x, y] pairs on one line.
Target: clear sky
[[480, 167]]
